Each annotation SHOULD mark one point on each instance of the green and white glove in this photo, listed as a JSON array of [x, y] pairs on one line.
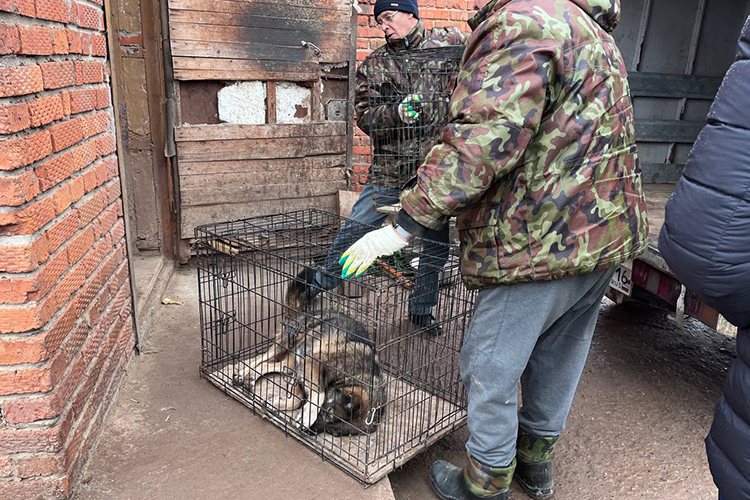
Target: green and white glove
[[410, 109], [379, 243]]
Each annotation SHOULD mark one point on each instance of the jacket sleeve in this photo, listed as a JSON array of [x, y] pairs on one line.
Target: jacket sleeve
[[385, 115], [496, 111], [706, 235]]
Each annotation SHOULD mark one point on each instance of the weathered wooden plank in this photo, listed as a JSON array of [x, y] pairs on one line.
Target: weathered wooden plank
[[667, 130], [263, 6], [671, 85], [249, 20], [334, 48], [270, 102], [661, 173], [242, 180], [188, 68], [228, 50], [212, 195], [195, 216], [258, 149], [254, 166], [227, 131], [187, 75]]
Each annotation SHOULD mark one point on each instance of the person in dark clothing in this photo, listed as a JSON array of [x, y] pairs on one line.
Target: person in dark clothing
[[706, 242]]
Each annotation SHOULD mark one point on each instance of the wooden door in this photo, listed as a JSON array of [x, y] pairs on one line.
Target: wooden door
[[284, 68]]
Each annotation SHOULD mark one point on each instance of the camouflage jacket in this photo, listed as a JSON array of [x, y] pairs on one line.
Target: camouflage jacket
[[539, 161], [384, 79]]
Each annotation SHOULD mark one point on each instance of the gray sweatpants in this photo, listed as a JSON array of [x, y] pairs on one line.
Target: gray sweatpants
[[538, 334]]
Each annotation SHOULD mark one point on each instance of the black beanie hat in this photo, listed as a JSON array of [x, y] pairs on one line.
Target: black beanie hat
[[401, 5]]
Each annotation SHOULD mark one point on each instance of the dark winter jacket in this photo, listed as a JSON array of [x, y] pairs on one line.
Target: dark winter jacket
[[706, 242]]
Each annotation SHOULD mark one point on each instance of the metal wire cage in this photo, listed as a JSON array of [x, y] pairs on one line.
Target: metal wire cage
[[349, 375], [399, 146]]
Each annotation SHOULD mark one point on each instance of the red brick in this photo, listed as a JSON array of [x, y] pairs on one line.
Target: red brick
[[9, 40], [130, 40], [93, 207], [75, 278], [102, 97], [77, 189], [6, 467], [80, 245], [46, 110], [62, 198], [49, 274], [99, 45], [101, 173], [89, 17], [54, 171], [85, 154], [114, 191], [14, 118], [66, 134], [65, 96], [18, 351], [53, 10], [28, 380], [27, 317], [35, 40], [74, 41], [60, 41], [39, 488], [62, 231], [38, 146], [17, 291], [107, 145], [85, 44], [22, 7], [89, 72], [82, 100], [89, 180], [20, 80], [37, 466], [27, 220], [18, 189], [95, 124], [57, 75], [24, 257]]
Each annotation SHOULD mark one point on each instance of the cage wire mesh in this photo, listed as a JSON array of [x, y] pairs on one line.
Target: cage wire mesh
[[398, 147], [348, 374]]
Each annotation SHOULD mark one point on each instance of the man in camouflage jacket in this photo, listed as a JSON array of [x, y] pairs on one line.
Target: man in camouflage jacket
[[387, 78], [539, 165], [379, 112]]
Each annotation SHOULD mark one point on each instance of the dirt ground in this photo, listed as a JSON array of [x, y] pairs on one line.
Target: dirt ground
[[636, 429], [637, 425]]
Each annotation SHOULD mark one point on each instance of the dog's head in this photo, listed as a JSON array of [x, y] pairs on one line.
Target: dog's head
[[345, 411]]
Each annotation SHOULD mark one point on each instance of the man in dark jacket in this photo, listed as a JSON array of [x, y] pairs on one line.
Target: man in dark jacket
[[706, 242]]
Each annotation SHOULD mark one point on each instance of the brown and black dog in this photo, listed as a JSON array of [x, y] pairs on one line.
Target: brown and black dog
[[339, 380]]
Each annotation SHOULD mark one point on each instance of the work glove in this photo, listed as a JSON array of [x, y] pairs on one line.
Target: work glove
[[410, 109], [379, 243]]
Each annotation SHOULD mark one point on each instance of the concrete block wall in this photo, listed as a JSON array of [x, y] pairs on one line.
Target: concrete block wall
[[434, 13], [66, 329]]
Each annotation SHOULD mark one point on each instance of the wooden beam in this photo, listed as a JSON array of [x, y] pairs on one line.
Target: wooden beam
[[226, 132], [661, 173], [240, 50], [669, 131], [252, 166], [189, 68], [671, 85], [308, 27], [270, 102]]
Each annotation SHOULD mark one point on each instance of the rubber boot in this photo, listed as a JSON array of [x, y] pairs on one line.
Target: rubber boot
[[473, 482], [534, 471]]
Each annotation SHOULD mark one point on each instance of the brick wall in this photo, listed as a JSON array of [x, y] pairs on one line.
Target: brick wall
[[65, 309], [434, 13]]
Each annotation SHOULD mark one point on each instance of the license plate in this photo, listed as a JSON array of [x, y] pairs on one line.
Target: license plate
[[622, 281]]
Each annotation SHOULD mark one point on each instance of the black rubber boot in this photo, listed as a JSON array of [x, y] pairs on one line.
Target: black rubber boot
[[534, 469]]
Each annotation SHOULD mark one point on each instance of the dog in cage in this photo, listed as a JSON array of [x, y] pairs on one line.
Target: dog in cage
[[338, 380]]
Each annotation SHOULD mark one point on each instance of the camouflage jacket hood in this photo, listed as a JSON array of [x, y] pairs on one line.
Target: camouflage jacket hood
[[383, 80], [538, 161]]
